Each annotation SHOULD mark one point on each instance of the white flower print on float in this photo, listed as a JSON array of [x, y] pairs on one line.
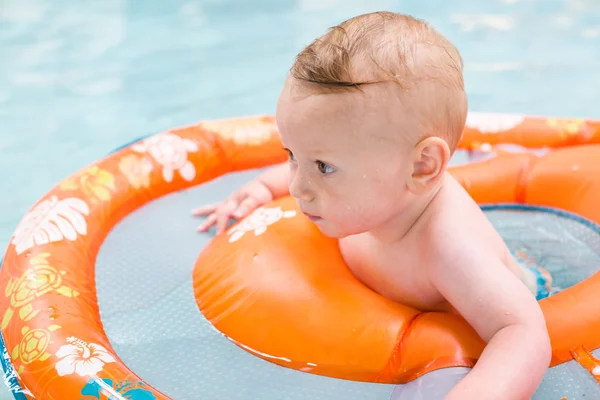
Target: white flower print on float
[[493, 123], [171, 152], [258, 221], [52, 220], [244, 130], [81, 358]]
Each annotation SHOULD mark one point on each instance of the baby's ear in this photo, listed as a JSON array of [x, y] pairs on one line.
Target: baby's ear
[[430, 158]]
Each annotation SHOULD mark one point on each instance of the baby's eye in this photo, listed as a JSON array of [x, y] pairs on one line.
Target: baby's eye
[[290, 155], [324, 168]]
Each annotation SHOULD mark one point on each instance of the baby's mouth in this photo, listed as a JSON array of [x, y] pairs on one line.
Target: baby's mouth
[[313, 218]]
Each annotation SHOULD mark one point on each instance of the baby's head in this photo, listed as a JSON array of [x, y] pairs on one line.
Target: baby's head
[[371, 114]]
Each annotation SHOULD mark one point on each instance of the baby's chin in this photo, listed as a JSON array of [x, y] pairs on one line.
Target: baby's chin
[[335, 231], [327, 228]]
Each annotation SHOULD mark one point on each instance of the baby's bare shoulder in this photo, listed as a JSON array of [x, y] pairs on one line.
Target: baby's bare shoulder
[[457, 224]]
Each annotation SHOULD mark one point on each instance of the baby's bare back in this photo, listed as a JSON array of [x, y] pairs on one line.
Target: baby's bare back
[[400, 270]]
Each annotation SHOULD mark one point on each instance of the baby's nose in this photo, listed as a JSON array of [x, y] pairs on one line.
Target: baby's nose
[[300, 189]]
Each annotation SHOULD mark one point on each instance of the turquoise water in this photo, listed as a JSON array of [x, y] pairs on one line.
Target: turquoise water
[[78, 79]]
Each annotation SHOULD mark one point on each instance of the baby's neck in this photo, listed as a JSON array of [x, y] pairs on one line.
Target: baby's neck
[[397, 227]]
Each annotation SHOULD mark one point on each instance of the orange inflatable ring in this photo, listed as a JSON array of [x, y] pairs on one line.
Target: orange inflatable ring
[[313, 315], [531, 132]]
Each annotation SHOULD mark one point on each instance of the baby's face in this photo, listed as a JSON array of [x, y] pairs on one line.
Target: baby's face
[[349, 156]]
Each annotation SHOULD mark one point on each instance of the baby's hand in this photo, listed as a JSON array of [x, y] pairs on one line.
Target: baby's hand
[[239, 204]]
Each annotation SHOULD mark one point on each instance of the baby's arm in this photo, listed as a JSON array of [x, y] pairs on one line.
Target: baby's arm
[[271, 184], [502, 311], [276, 179]]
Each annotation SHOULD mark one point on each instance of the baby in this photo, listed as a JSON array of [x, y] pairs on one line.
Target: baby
[[370, 116]]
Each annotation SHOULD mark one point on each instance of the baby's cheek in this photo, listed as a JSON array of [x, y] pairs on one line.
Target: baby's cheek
[[354, 215], [338, 212]]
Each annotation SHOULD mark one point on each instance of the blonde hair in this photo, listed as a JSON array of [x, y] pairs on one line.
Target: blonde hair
[[387, 47]]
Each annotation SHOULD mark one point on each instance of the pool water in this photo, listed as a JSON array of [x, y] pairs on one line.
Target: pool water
[[78, 79]]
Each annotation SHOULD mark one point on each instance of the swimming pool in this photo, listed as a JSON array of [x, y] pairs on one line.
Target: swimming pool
[[78, 80]]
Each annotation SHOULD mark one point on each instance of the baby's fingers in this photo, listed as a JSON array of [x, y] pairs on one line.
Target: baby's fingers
[[245, 208], [204, 210], [210, 221], [224, 214]]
